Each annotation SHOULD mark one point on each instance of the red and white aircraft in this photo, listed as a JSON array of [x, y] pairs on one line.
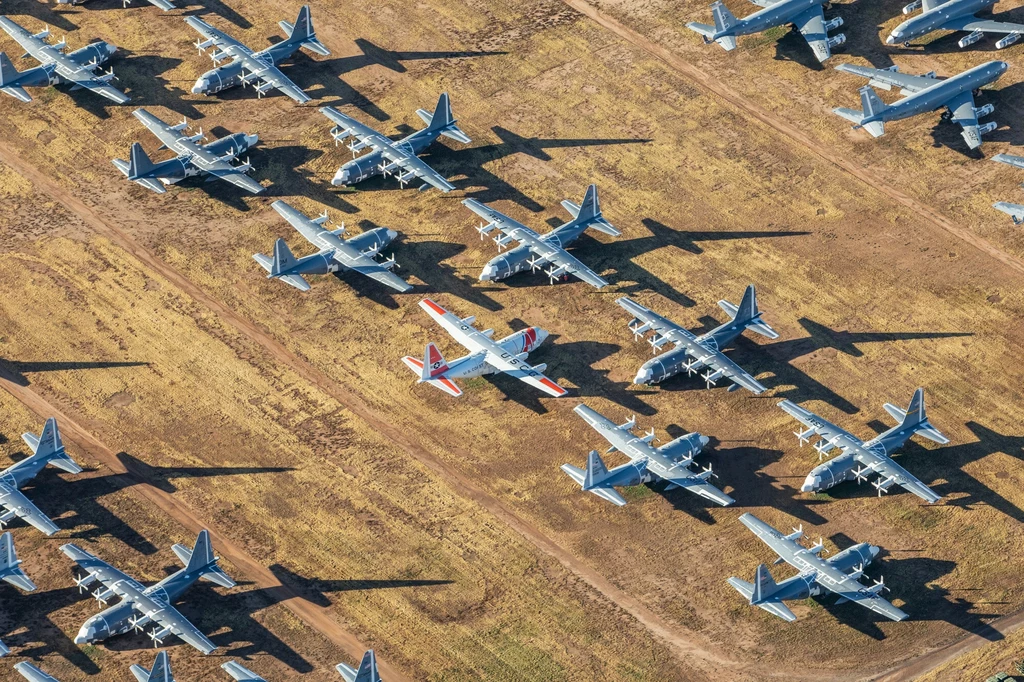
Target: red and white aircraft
[[486, 356]]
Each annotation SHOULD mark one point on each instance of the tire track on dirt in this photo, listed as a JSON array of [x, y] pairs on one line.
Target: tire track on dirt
[[686, 647], [316, 617], [850, 167]]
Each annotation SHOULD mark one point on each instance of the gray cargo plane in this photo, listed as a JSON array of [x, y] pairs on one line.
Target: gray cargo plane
[[32, 673], [670, 462], [165, 5], [241, 673], [693, 352], [77, 68], [486, 356], [923, 94], [258, 69], [398, 157], [160, 672], [860, 459], [356, 253], [140, 605], [10, 571], [839, 574], [367, 671], [535, 251], [953, 15], [805, 15], [192, 158], [1015, 211], [47, 448]]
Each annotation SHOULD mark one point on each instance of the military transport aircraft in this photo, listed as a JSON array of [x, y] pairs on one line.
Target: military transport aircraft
[[839, 575], [860, 459], [258, 69], [356, 253], [367, 671], [10, 571], [535, 251], [806, 15], [398, 157], [486, 356], [140, 605], [670, 462], [47, 448], [953, 15], [923, 94], [77, 68], [192, 158], [693, 352], [160, 672]]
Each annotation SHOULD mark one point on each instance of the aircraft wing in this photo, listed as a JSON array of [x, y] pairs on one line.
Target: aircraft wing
[[826, 429], [165, 5], [27, 41], [811, 24], [32, 673], [164, 615], [451, 323], [98, 568], [257, 69], [1010, 159], [240, 672], [886, 79], [219, 38], [652, 320], [721, 363], [14, 500], [891, 471], [84, 77], [397, 153], [525, 373], [163, 132], [359, 262], [701, 488], [972, 23], [544, 251], [962, 109]]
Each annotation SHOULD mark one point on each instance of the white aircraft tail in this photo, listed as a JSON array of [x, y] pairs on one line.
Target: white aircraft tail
[[367, 671], [872, 106], [589, 213], [915, 418], [160, 672], [433, 363], [49, 447], [10, 565]]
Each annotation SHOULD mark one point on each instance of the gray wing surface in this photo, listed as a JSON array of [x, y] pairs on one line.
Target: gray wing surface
[[983, 25], [241, 673], [543, 250], [811, 24], [962, 109], [701, 488], [662, 325], [721, 362], [14, 500], [822, 427], [389, 149], [1010, 160], [169, 138], [32, 673], [162, 4], [165, 615], [258, 69], [887, 79], [889, 469], [219, 38], [104, 572]]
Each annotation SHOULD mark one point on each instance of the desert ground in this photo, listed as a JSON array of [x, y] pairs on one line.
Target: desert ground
[[357, 509]]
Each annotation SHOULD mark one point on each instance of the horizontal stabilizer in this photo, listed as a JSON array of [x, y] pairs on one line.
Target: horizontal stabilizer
[[728, 43], [443, 383], [17, 92], [707, 31], [897, 413], [1015, 211]]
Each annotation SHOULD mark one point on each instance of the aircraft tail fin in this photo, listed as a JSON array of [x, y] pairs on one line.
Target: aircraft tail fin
[[160, 672], [764, 585], [49, 447], [916, 419], [367, 671], [303, 33], [442, 122], [139, 163], [10, 565], [8, 74], [596, 471], [724, 19], [872, 106], [589, 212], [201, 559], [870, 102], [748, 314], [434, 363], [284, 259]]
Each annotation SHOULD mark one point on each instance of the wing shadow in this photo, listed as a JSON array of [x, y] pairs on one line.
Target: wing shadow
[[15, 370]]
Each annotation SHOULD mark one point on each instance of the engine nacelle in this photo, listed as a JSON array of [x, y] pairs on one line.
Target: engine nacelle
[[837, 40], [912, 6], [834, 24], [981, 112], [971, 38], [1010, 39], [987, 128]]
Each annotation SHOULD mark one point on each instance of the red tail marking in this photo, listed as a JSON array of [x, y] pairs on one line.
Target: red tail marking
[[529, 338], [553, 386], [433, 306]]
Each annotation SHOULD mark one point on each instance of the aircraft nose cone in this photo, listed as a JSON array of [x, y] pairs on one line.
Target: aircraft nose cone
[[85, 635], [541, 335], [874, 550], [1003, 66], [392, 235], [810, 484], [201, 86], [110, 48], [704, 440], [488, 273], [643, 376], [251, 140], [891, 39], [340, 178]]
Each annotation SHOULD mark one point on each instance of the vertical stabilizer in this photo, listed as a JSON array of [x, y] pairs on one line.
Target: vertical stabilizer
[[433, 363], [916, 419], [590, 213], [139, 163], [8, 74], [870, 102], [724, 19], [203, 561], [284, 260], [764, 585], [443, 123], [596, 471]]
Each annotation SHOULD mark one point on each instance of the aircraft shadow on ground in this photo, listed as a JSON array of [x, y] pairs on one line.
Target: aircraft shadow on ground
[[575, 362], [16, 370], [142, 76], [792, 47], [284, 165], [429, 266], [212, 8], [41, 636], [45, 13]]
